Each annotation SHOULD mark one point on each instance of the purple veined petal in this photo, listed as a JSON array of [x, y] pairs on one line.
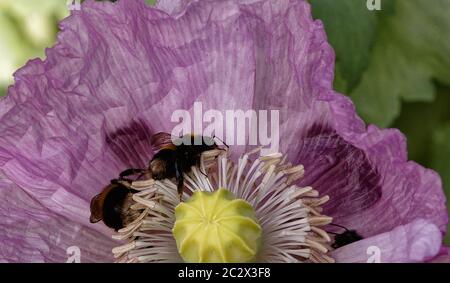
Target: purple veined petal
[[86, 112], [337, 168], [417, 241], [74, 121], [30, 232], [174, 8]]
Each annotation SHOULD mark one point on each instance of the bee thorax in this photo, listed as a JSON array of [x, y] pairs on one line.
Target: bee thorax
[[158, 169]]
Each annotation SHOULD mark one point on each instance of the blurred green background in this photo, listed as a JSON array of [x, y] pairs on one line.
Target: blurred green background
[[394, 63]]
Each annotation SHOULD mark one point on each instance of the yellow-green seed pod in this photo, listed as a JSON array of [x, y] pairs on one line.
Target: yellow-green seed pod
[[216, 227]]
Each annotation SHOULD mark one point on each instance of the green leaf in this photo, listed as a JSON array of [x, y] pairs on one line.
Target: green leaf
[[441, 160], [350, 27], [26, 28], [387, 7], [12, 49], [411, 51], [418, 121]]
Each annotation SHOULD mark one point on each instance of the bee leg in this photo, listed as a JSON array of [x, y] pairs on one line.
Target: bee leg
[[130, 171], [147, 173], [114, 181], [124, 182], [201, 171], [214, 137], [198, 164], [180, 180], [180, 186]]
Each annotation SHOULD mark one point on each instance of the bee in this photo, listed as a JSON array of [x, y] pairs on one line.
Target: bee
[[345, 238], [174, 157], [113, 204]]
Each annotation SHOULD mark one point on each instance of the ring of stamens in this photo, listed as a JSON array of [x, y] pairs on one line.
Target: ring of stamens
[[289, 215]]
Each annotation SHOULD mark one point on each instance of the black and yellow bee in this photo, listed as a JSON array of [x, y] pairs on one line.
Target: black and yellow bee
[[175, 156], [113, 204]]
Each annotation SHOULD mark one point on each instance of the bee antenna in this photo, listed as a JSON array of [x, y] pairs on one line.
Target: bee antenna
[[214, 137], [332, 224], [143, 173], [204, 174], [123, 181]]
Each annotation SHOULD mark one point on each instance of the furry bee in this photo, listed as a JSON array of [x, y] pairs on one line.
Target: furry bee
[[174, 157], [113, 204], [345, 238], [173, 160]]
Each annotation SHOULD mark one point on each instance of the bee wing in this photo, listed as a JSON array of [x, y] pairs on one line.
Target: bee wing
[[161, 140], [96, 209], [97, 204]]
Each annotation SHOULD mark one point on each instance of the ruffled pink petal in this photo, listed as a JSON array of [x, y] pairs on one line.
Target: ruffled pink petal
[[408, 190], [372, 186]]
